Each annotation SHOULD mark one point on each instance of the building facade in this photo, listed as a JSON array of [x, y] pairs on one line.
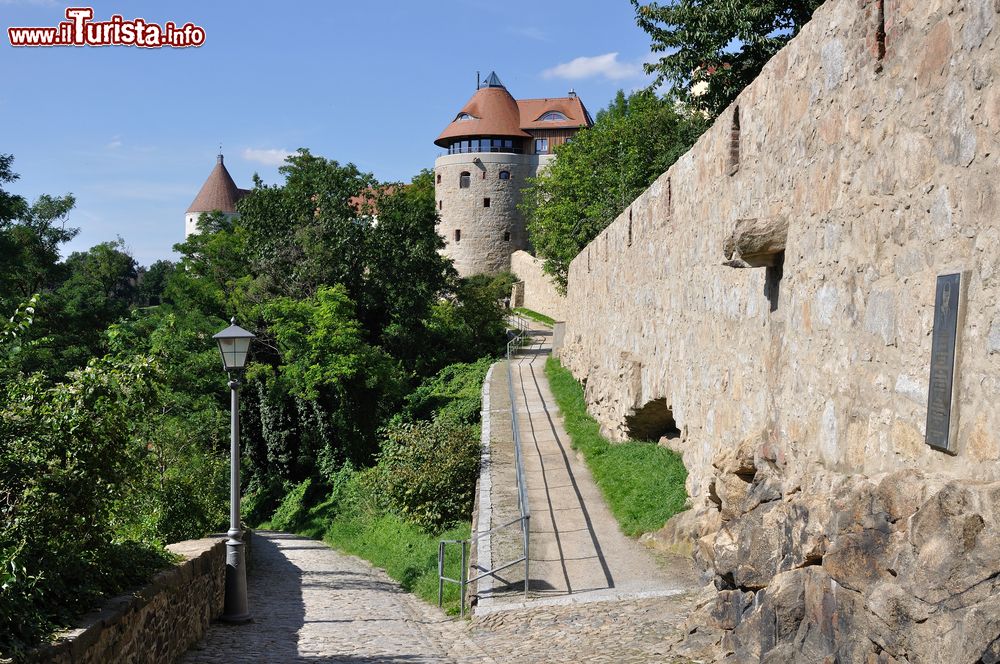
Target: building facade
[[494, 144]]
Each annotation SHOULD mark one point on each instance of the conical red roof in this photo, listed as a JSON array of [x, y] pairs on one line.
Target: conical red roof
[[218, 193], [490, 112]]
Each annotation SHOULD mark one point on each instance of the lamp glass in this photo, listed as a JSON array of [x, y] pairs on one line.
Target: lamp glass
[[234, 352]]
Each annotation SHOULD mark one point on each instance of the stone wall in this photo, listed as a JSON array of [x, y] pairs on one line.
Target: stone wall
[[538, 292], [772, 297], [159, 622], [884, 172]]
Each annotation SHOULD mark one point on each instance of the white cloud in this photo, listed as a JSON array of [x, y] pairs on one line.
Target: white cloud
[[116, 142], [267, 156], [606, 65], [530, 32]]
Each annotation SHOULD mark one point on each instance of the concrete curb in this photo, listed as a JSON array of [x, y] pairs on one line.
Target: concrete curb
[[483, 550]]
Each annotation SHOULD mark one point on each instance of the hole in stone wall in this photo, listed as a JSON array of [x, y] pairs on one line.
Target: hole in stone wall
[[772, 280], [734, 143], [670, 199], [653, 421], [880, 31]]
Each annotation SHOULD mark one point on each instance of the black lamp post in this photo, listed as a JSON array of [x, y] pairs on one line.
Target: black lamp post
[[234, 343]]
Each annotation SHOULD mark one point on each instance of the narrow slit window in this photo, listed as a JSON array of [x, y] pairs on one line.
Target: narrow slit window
[[484, 175], [630, 229], [463, 180], [506, 236], [734, 143], [439, 178], [486, 202], [458, 235], [440, 204], [880, 32], [670, 199]]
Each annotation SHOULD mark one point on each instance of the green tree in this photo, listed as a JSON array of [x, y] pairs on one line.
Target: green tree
[[634, 140], [715, 48]]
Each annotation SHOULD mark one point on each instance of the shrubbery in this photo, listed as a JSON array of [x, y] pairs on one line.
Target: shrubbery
[[427, 472], [66, 456]]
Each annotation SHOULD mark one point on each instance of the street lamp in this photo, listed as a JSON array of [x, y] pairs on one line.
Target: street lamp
[[234, 342]]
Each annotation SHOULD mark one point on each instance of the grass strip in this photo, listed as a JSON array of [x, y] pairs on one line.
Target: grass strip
[[535, 316], [642, 482]]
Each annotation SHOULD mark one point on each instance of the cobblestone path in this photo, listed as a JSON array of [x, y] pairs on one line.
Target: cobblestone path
[[311, 603]]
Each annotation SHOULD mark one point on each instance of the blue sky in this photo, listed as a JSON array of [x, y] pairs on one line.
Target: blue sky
[[133, 133]]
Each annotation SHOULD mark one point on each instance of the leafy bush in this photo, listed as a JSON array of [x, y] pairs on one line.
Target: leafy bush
[[453, 393], [427, 472], [68, 451]]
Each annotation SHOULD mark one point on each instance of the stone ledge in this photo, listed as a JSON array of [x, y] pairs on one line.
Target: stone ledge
[[157, 622]]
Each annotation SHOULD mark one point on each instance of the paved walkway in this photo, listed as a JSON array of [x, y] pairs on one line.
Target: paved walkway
[[311, 603], [578, 554]]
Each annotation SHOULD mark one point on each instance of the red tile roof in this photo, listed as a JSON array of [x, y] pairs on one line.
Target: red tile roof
[[533, 109], [218, 193], [494, 112]]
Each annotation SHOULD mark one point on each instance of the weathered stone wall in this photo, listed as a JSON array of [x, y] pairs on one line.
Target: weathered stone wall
[[885, 173], [484, 246], [768, 304], [539, 293], [158, 623]]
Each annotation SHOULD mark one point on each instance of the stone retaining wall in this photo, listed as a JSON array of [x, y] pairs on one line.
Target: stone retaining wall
[[159, 622], [766, 308], [861, 180], [536, 290]]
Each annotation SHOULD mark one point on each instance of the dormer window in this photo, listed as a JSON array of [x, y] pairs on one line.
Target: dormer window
[[462, 117], [553, 116]]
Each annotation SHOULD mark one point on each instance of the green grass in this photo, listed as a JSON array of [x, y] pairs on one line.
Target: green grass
[[642, 482], [534, 315], [346, 520]]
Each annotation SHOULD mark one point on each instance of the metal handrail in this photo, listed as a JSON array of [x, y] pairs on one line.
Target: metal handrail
[[522, 496]]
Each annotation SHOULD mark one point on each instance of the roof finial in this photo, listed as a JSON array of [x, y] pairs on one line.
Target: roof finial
[[220, 152]]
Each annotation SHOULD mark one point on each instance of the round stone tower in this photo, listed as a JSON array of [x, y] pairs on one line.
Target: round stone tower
[[492, 148]]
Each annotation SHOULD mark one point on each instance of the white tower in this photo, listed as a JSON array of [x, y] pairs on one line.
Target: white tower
[[219, 193]]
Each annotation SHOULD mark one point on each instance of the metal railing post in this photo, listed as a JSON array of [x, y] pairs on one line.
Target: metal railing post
[[463, 576], [440, 574], [527, 560]]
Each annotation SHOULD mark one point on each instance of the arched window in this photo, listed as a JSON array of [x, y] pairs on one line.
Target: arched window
[[553, 116], [463, 180], [504, 175], [439, 178]]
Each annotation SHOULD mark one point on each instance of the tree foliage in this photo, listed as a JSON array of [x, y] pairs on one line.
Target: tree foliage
[[634, 140], [712, 49]]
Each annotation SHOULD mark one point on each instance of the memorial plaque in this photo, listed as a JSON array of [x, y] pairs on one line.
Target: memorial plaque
[[944, 345]]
